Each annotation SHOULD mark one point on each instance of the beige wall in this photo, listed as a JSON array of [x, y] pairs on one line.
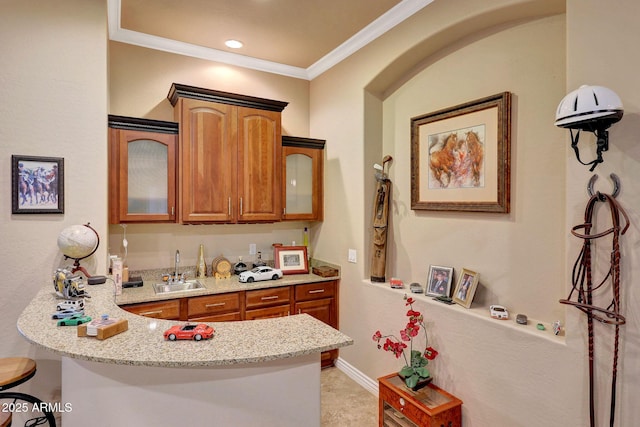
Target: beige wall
[[55, 92], [53, 86], [518, 270], [609, 57], [450, 53]]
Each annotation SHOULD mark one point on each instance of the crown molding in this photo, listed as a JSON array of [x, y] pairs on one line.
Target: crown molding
[[375, 29], [384, 23]]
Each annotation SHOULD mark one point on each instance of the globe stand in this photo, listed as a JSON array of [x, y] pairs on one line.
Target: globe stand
[[76, 262], [78, 267]]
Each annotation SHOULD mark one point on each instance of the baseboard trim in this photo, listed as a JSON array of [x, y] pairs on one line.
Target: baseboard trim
[[356, 375]]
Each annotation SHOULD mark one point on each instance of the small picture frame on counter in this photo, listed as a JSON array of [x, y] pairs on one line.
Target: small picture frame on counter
[[291, 259]]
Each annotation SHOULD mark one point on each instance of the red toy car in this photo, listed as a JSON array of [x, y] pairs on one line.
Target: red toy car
[[189, 332], [396, 283]]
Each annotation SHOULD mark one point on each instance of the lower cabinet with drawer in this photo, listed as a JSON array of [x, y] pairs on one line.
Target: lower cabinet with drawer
[[214, 308], [169, 309], [430, 406], [320, 301], [265, 313], [266, 303]]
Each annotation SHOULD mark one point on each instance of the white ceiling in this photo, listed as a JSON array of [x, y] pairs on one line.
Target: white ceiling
[[296, 38]]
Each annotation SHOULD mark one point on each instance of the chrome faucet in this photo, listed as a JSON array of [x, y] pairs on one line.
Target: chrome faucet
[[176, 277]]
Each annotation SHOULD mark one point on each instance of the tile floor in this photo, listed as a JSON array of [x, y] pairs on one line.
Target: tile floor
[[344, 402]]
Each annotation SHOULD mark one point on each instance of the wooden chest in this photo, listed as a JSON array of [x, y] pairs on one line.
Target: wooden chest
[[427, 407]]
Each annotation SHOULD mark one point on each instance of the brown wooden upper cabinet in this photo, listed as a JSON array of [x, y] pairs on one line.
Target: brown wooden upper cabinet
[[303, 175], [230, 159], [142, 170]]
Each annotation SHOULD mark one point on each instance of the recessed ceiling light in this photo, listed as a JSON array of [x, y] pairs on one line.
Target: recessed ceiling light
[[234, 44]]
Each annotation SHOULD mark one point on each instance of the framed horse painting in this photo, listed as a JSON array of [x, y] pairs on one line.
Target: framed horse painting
[[37, 185], [461, 157]]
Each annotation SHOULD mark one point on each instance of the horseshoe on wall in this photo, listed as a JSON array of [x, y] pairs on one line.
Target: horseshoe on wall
[[616, 186]]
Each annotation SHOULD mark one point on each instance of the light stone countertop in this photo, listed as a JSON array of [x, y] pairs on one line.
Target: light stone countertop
[[143, 344], [212, 286]]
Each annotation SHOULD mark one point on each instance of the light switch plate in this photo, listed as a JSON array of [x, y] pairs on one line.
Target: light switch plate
[[352, 256]]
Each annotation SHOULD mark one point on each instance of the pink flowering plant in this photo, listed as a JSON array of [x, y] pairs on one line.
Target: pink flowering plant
[[415, 368]]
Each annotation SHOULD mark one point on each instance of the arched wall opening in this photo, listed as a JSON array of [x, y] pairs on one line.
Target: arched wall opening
[[519, 255]]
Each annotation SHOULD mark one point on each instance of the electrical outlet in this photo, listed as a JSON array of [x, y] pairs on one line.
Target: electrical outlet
[[252, 248], [352, 256]]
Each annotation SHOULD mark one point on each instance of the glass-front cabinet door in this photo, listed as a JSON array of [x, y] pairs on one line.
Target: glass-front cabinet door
[[142, 171], [303, 160], [299, 183]]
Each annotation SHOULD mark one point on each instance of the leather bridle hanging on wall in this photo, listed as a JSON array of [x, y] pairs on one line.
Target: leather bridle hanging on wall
[[581, 295]]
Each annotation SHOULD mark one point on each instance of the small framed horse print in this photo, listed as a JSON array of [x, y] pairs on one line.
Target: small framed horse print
[[37, 185], [461, 157]]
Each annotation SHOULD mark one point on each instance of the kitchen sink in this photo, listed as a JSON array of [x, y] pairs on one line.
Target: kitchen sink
[[187, 285]]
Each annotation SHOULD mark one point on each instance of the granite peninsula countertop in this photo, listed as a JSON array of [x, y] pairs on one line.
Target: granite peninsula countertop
[[143, 344]]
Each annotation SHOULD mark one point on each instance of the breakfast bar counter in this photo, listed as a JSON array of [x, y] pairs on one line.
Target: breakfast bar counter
[[143, 344], [257, 372]]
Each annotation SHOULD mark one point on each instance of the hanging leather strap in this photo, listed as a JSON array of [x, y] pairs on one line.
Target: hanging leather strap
[[581, 295]]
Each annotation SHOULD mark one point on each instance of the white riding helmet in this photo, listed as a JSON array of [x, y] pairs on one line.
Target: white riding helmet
[[589, 108]]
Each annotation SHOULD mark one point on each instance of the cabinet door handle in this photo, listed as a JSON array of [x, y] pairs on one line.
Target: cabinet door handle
[[229, 206], [316, 291], [240, 206], [272, 297], [173, 210], [217, 304], [146, 313]]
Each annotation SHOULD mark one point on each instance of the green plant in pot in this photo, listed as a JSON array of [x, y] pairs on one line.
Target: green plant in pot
[[415, 372]]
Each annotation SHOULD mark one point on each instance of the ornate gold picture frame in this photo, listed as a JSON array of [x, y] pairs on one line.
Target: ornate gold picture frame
[[461, 157]]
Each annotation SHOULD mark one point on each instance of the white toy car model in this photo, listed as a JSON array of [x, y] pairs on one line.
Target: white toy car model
[[499, 312], [260, 273], [69, 304]]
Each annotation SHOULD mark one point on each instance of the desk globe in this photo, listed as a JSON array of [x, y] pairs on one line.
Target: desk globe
[[78, 242]]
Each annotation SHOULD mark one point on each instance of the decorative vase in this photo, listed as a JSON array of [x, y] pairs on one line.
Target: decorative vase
[[422, 382]]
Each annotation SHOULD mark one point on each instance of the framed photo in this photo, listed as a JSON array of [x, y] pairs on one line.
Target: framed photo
[[37, 185], [439, 281], [466, 288], [291, 259], [461, 157]]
